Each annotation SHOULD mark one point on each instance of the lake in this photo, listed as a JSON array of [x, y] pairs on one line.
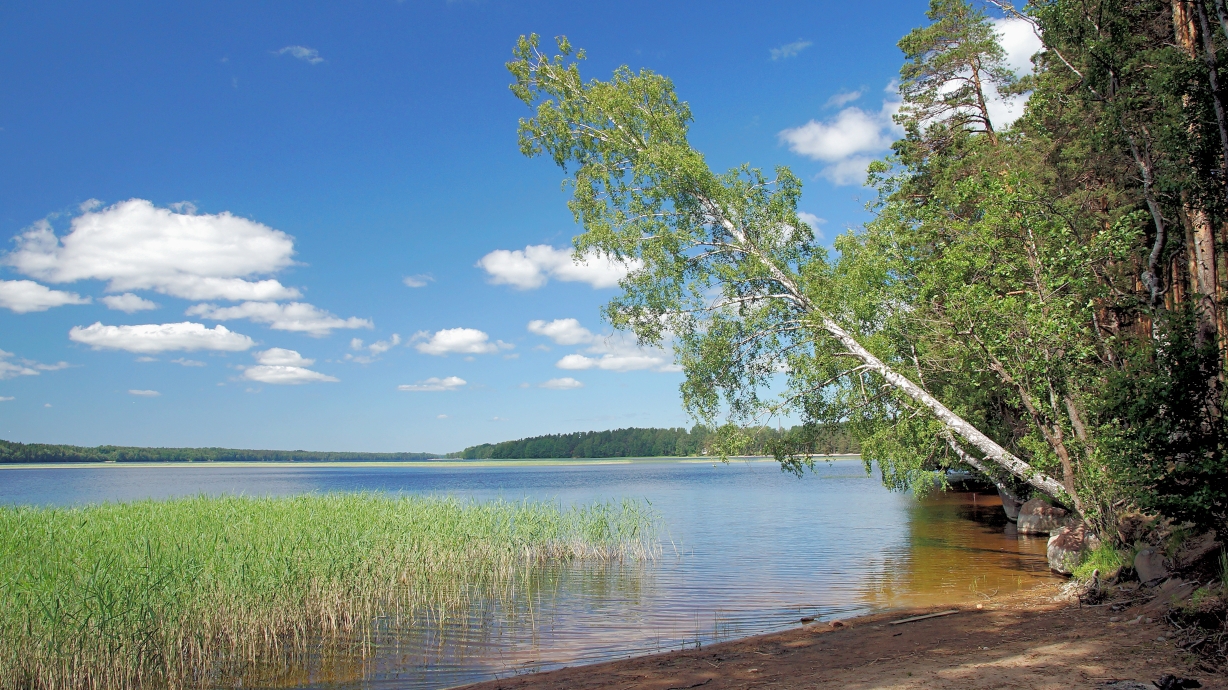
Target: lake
[[746, 549]]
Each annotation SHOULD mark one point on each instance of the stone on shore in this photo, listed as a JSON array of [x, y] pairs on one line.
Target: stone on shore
[[1149, 564], [1010, 505], [1038, 517], [1067, 546]]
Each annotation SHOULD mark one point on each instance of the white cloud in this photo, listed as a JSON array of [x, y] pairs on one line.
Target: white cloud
[[184, 362], [127, 302], [6, 398], [165, 337], [448, 383], [843, 98], [563, 384], [851, 132], [309, 55], [143, 393], [789, 50], [533, 266], [438, 416], [136, 246], [280, 356], [812, 220], [417, 281], [562, 331], [465, 341], [295, 316], [1019, 42], [376, 348], [24, 296], [282, 367], [25, 367]]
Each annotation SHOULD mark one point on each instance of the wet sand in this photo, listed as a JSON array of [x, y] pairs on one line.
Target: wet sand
[[1020, 640]]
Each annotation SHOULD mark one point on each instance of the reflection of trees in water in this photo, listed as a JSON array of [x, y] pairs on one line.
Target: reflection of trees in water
[[499, 629], [959, 545]]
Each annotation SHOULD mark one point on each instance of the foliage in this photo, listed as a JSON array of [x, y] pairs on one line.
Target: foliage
[[206, 591], [1107, 559], [1043, 302]]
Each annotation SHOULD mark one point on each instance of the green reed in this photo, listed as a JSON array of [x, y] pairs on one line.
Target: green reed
[[193, 591]]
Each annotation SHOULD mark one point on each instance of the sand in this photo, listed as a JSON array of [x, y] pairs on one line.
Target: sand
[[1022, 640]]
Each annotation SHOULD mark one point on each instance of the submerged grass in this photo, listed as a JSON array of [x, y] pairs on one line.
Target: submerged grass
[[195, 591]]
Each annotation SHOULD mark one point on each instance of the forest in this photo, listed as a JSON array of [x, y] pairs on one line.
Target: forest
[[644, 443]]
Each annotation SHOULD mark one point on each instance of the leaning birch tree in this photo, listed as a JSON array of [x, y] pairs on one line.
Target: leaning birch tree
[[723, 265]]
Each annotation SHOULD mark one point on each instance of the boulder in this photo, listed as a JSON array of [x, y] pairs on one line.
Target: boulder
[[1149, 564], [1067, 546], [1010, 504], [1038, 517]]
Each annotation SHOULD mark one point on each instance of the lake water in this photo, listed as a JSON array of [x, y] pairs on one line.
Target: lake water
[[747, 549]]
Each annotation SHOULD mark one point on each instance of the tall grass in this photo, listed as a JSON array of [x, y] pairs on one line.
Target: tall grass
[[195, 591]]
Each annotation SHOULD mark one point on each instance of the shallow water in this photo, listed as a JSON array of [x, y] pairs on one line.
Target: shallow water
[[747, 549]]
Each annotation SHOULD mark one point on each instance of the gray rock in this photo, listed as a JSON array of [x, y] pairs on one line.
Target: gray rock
[[1067, 546], [1038, 517], [1149, 564]]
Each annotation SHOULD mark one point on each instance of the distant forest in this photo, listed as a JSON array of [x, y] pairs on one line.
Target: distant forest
[[11, 452], [647, 443], [619, 443]]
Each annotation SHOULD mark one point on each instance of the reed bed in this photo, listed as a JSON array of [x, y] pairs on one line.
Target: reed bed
[[199, 591]]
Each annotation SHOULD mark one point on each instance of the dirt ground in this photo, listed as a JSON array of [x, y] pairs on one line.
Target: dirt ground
[[1024, 640]]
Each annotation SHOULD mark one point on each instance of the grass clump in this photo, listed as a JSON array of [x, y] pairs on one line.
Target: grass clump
[[1108, 560], [194, 591]]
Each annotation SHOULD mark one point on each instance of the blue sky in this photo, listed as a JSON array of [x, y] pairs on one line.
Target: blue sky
[[208, 203]]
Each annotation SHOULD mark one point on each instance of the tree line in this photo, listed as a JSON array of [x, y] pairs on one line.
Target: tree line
[[645, 443], [1042, 302], [11, 452]]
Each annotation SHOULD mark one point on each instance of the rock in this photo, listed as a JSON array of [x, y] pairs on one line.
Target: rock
[[1010, 504], [1195, 549], [1149, 564], [1067, 546], [1038, 517]]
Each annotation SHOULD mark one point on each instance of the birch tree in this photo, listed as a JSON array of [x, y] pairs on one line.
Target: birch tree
[[728, 271]]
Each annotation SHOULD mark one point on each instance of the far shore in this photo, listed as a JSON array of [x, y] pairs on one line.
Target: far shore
[[436, 463]]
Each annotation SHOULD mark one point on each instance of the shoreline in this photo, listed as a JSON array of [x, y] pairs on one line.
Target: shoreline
[[435, 464], [1034, 639]]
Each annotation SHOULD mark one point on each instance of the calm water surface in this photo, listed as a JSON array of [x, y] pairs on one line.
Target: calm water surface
[[747, 549]]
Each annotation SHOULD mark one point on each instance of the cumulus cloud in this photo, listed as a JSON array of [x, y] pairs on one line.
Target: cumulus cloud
[[534, 266], [448, 383], [24, 296], [282, 367], [185, 362], [562, 331], [563, 384], [616, 352], [295, 316], [789, 50], [418, 280], [6, 398], [143, 393], [309, 55], [10, 367], [134, 245], [376, 349], [464, 341], [128, 303], [154, 338]]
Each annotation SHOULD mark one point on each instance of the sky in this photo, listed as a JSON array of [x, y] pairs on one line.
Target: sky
[[307, 225]]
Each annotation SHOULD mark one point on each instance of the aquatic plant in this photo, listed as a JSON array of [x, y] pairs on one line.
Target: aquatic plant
[[195, 591]]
